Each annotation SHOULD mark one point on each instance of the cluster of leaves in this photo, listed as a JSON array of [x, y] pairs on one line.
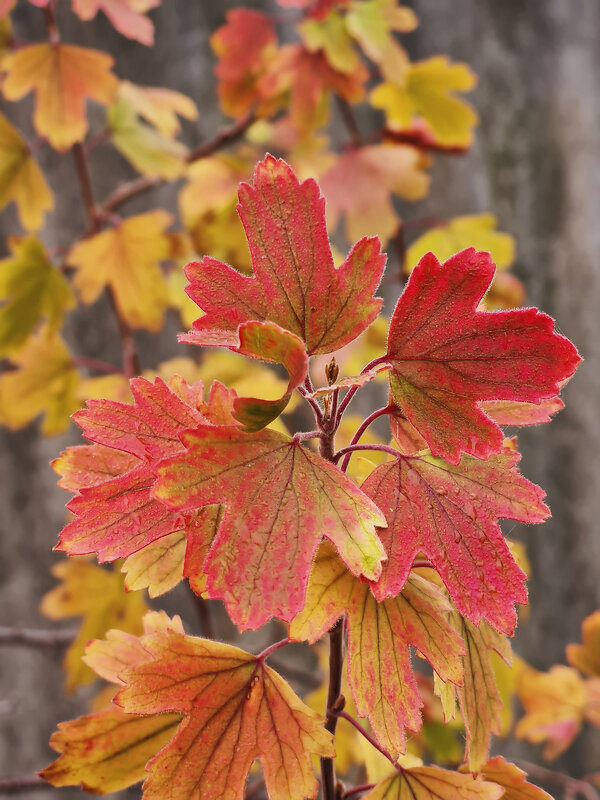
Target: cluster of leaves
[[190, 475]]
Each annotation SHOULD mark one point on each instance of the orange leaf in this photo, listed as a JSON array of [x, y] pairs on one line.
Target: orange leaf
[[127, 259], [127, 16], [512, 779], [554, 703], [236, 710], [62, 76], [21, 179], [586, 656]]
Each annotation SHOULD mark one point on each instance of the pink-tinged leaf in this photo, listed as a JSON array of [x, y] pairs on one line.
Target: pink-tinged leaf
[[383, 684], [449, 513], [406, 437], [201, 532], [280, 499], [446, 356], [90, 464], [236, 710], [127, 16], [295, 283], [118, 517], [267, 342], [512, 412], [149, 427]]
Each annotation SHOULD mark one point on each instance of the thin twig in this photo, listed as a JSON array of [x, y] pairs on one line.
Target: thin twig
[[351, 392], [382, 448], [24, 784], [381, 412], [32, 637], [366, 787], [336, 664], [272, 648], [344, 715], [545, 775], [134, 188], [347, 114], [96, 364]]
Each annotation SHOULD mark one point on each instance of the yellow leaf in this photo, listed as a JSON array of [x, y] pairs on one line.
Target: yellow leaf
[[331, 36], [150, 152], [372, 23], [212, 185], [512, 780], [470, 230], [433, 783], [428, 93], [160, 107], [188, 310], [157, 567], [554, 703], [586, 656], [31, 289], [97, 595], [105, 387], [21, 179], [43, 381], [127, 258], [62, 76]]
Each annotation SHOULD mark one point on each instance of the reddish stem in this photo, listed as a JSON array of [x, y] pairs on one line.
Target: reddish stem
[[24, 784], [422, 564], [318, 412], [365, 424], [96, 140], [351, 392], [272, 648], [366, 787], [363, 732], [99, 366], [382, 448], [347, 114]]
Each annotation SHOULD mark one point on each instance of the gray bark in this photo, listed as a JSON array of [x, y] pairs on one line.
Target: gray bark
[[535, 164]]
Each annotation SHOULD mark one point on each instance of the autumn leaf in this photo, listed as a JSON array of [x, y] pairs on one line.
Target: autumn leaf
[[512, 779], [332, 37], [62, 76], [361, 183], [313, 8], [512, 412], [127, 16], [244, 46], [449, 513], [108, 751], [43, 381], [280, 500], [446, 356], [98, 596], [372, 24], [236, 710], [127, 258], [427, 92], [158, 567], [90, 464], [478, 697], [21, 179], [159, 106], [270, 343], [433, 783], [31, 289], [150, 152], [293, 269], [379, 669], [586, 656], [554, 703], [471, 230]]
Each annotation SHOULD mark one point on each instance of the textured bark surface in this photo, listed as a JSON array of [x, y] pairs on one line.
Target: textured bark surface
[[536, 164]]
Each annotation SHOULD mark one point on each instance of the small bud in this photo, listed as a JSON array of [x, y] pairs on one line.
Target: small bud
[[332, 371]]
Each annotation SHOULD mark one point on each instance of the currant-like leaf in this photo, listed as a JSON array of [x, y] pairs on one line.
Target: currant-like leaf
[[586, 656], [433, 783], [21, 179], [512, 779], [236, 710], [295, 283], [97, 595], [62, 76], [379, 670], [449, 513], [268, 342], [280, 499], [127, 16], [446, 356], [31, 289], [127, 258]]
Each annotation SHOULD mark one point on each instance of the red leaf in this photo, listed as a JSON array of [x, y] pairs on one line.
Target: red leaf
[[280, 499], [446, 356], [449, 513], [295, 283]]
